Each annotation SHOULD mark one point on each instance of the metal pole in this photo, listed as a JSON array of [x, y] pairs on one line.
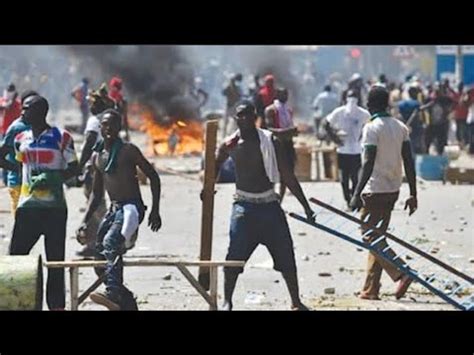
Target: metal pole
[[459, 65]]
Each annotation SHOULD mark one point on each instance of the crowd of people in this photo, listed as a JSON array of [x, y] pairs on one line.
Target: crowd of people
[[436, 113], [378, 126], [431, 111], [40, 158]]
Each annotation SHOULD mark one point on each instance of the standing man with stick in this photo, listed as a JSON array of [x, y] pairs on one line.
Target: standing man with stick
[[257, 217], [386, 148]]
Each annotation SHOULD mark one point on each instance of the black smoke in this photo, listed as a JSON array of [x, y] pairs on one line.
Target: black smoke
[[160, 75], [157, 76], [264, 60]]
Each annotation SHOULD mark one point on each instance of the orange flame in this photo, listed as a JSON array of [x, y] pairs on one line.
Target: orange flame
[[178, 137]]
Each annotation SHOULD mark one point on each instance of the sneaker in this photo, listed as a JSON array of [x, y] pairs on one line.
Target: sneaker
[[405, 282], [105, 299]]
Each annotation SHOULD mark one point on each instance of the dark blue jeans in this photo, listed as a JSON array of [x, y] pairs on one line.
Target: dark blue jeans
[[111, 244], [471, 138], [416, 141], [253, 224]]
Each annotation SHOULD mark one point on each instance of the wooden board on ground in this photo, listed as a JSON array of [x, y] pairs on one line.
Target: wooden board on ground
[[459, 175], [207, 216], [303, 164]]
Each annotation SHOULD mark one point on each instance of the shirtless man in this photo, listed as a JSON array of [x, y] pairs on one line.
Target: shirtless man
[[257, 217], [115, 169]]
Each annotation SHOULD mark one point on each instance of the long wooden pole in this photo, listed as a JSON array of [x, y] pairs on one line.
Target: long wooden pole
[[207, 216], [143, 262], [74, 275]]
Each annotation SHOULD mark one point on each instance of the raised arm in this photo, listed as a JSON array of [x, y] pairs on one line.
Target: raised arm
[[289, 179]]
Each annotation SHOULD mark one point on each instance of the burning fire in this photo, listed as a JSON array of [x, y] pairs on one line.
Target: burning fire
[[177, 137]]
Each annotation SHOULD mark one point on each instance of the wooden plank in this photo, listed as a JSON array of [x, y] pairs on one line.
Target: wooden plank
[[96, 283], [213, 288], [303, 164], [456, 175], [207, 216], [194, 283], [324, 149], [153, 262], [74, 279], [318, 170], [91, 289], [335, 166]]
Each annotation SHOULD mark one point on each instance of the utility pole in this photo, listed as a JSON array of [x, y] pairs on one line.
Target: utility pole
[[459, 65]]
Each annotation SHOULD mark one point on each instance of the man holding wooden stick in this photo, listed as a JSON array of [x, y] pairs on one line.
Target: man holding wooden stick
[[257, 217]]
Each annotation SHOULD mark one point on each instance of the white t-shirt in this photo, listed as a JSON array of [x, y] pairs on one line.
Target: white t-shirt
[[325, 102], [93, 125], [388, 135], [351, 121]]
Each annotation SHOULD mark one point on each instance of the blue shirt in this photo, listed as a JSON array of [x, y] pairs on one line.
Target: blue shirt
[[17, 126], [406, 108]]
